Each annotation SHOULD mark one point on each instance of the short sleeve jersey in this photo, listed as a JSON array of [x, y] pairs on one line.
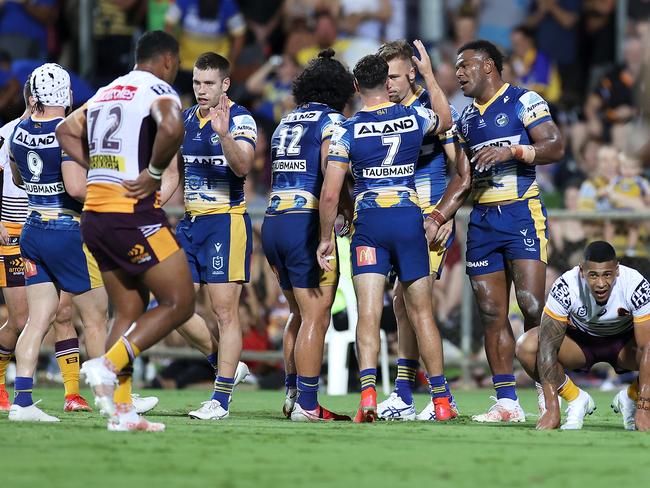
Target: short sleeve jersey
[[121, 132], [296, 157], [36, 151], [503, 121], [431, 170], [570, 300], [14, 199], [211, 187], [381, 144]]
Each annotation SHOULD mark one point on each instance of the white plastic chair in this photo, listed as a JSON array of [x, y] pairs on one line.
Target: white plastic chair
[[338, 344]]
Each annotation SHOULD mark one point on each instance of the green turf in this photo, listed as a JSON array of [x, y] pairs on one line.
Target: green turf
[[257, 447]]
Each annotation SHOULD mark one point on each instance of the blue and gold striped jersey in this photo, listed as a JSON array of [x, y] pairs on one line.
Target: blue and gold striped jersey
[[503, 121], [35, 149], [211, 187], [431, 171], [382, 144], [296, 157]]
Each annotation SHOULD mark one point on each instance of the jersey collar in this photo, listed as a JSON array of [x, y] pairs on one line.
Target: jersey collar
[[413, 97], [484, 107], [377, 107]]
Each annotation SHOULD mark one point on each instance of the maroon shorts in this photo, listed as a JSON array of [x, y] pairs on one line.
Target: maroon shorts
[[133, 242], [600, 349]]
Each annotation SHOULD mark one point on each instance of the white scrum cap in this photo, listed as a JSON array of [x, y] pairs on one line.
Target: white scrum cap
[[50, 85]]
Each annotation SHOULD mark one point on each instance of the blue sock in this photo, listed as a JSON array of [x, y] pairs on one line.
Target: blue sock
[[504, 384], [405, 382], [23, 391], [308, 392], [438, 388], [222, 390], [290, 380], [212, 359], [368, 378]]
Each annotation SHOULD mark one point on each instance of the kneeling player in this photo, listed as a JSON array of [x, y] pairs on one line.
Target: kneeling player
[[596, 312]]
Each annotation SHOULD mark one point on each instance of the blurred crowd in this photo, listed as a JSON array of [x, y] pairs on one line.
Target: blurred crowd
[[588, 58]]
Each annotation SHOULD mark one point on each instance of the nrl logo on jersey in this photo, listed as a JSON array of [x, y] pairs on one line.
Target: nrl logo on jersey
[[397, 126]]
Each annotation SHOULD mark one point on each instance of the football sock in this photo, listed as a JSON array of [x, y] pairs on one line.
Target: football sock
[[448, 392], [308, 392], [504, 384], [212, 359], [368, 378], [23, 391], [122, 353], [438, 388], [290, 380], [405, 382], [568, 391], [222, 390], [124, 385], [633, 390], [67, 356], [5, 358]]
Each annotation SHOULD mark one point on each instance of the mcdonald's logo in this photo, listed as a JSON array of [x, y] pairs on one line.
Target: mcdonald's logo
[[366, 256]]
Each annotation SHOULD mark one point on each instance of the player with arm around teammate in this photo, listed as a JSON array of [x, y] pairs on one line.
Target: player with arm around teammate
[[597, 311], [290, 231]]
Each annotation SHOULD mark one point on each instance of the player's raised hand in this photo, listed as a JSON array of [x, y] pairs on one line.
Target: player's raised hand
[[423, 62], [220, 116], [325, 254], [487, 157], [143, 186]]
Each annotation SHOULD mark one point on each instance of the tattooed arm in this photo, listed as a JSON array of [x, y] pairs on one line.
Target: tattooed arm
[[551, 372]]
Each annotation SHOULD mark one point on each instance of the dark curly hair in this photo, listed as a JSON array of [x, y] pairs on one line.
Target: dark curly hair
[[487, 48], [324, 80], [371, 71]]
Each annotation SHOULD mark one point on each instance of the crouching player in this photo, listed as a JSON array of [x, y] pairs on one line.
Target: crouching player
[[597, 311], [290, 231]]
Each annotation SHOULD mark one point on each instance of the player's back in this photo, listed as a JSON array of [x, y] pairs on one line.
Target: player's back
[[121, 132], [382, 144], [296, 157], [14, 199], [39, 157]]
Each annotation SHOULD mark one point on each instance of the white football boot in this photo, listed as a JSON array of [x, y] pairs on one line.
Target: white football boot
[[126, 419], [394, 408], [577, 410], [241, 373], [290, 398], [504, 410], [210, 410], [143, 404], [624, 405], [29, 414]]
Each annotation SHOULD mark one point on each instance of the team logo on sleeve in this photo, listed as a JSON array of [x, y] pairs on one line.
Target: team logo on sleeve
[[641, 295], [561, 293]]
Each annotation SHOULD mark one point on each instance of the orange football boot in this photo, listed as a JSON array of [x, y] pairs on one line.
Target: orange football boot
[[76, 403], [5, 404], [368, 407], [443, 409]]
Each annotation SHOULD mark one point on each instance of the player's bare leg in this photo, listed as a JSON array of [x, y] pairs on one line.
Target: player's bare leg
[[369, 289], [93, 311], [492, 294], [529, 280], [43, 301], [417, 298], [197, 333], [17, 313], [288, 351], [315, 309]]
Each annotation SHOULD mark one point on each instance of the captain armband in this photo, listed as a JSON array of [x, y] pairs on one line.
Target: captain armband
[[525, 153]]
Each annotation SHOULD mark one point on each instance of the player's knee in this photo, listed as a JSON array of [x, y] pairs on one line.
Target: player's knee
[[526, 347], [530, 306], [16, 322], [226, 315]]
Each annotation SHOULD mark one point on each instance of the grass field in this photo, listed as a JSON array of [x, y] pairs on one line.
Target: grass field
[[256, 447]]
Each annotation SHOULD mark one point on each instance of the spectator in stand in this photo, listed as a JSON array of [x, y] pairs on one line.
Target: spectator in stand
[[325, 35], [532, 68], [598, 37], [556, 25], [272, 84], [464, 28], [201, 26], [567, 236], [264, 20], [299, 18], [366, 18], [446, 76], [115, 23], [24, 27], [612, 105], [496, 18]]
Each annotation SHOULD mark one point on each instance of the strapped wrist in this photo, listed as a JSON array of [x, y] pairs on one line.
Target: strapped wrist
[[523, 152], [155, 173], [437, 216]]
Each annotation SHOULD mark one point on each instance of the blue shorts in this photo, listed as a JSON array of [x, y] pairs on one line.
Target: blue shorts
[[218, 247], [505, 232], [53, 252], [290, 241], [390, 238]]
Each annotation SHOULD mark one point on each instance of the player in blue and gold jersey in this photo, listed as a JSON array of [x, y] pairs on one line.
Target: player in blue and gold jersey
[[51, 246], [430, 184], [506, 132], [291, 227], [381, 145], [216, 155]]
